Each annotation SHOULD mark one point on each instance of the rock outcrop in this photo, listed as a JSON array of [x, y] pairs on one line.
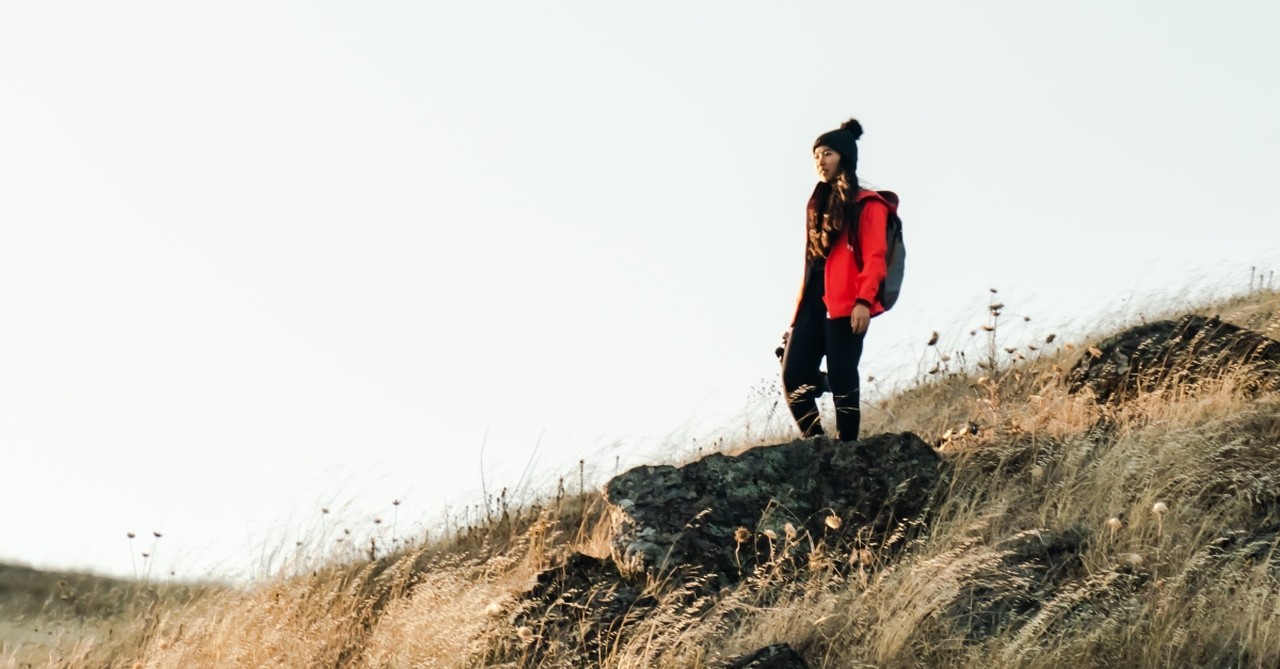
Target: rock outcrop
[[777, 656], [726, 513], [587, 599], [712, 522], [1005, 593], [1159, 355]]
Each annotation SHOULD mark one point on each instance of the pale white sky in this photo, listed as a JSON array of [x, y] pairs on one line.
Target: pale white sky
[[259, 257]]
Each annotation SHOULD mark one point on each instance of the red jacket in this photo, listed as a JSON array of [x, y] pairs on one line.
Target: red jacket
[[846, 283]]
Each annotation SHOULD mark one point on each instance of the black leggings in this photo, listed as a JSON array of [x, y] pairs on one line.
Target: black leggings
[[813, 336]]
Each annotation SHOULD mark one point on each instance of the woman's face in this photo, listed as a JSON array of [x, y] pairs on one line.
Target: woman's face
[[827, 162]]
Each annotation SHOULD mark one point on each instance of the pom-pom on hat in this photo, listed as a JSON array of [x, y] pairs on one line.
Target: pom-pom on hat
[[844, 141]]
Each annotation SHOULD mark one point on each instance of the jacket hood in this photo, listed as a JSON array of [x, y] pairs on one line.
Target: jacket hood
[[888, 197]]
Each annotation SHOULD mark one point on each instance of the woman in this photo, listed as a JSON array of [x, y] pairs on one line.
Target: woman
[[844, 265]]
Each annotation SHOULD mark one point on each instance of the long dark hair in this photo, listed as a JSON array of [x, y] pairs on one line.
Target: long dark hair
[[830, 208]]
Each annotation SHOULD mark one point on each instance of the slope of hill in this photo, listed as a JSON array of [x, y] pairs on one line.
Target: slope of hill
[[1139, 531], [50, 618]]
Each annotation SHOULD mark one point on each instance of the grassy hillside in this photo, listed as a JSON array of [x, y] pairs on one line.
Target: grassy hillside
[[61, 619], [1134, 535]]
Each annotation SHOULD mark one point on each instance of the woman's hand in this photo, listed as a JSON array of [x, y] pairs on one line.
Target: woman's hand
[[860, 318]]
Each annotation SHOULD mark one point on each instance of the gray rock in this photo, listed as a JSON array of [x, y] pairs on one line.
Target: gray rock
[[584, 599], [1163, 354], [726, 514], [777, 656], [710, 523], [1006, 594]]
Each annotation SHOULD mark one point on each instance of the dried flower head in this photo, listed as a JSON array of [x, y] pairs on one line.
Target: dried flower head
[[1131, 559], [525, 634], [741, 535], [1114, 523], [1159, 508], [789, 530], [833, 521], [933, 339], [494, 609], [773, 536]]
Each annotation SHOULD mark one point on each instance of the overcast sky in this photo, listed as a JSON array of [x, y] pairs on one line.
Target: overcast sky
[[257, 258]]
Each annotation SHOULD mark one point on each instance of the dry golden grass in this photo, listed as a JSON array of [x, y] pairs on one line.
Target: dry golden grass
[[1073, 535]]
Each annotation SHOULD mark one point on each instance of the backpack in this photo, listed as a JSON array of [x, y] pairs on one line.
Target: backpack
[[895, 259]]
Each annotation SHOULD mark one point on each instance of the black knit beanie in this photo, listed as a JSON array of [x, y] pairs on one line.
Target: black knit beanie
[[844, 141]]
